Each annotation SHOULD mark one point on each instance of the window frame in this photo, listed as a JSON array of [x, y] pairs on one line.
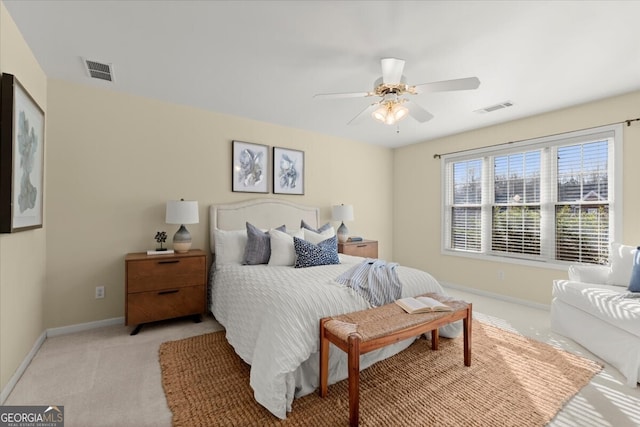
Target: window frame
[[548, 198]]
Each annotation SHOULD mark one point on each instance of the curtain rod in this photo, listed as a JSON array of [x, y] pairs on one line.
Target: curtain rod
[[628, 122]]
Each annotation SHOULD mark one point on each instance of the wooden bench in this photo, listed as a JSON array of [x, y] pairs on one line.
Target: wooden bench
[[367, 330]]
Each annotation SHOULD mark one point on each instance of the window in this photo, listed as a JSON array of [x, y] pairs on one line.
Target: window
[[467, 193], [549, 200]]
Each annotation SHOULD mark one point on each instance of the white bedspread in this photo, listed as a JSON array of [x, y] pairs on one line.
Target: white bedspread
[[271, 316]]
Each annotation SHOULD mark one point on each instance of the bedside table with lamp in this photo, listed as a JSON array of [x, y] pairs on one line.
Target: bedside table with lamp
[[355, 246], [166, 286]]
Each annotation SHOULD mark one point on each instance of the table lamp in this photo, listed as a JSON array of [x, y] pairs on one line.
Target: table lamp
[[342, 213], [182, 212]]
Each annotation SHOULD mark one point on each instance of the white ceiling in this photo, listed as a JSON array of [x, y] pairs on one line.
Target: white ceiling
[[265, 60]]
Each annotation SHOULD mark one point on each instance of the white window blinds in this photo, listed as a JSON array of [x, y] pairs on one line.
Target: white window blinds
[[582, 207], [544, 200]]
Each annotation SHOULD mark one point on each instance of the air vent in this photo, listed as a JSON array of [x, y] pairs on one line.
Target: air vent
[[494, 107], [99, 70]]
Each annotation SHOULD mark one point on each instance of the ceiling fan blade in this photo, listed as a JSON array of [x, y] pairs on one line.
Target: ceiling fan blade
[[364, 114], [342, 95], [417, 112], [392, 70], [446, 85]]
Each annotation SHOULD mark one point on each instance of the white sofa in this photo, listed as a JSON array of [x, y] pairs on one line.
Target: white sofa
[[595, 309]]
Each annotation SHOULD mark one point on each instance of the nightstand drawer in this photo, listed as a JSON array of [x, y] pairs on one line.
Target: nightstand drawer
[[169, 273], [365, 248], [163, 304]]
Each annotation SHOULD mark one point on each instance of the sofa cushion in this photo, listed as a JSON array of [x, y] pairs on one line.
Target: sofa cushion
[[589, 273], [602, 301], [621, 261]]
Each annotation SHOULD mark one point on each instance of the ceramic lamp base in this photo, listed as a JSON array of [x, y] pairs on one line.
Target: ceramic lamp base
[[342, 233], [182, 240]]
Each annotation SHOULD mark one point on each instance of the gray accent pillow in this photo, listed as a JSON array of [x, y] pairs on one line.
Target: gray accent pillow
[[319, 230], [258, 248]]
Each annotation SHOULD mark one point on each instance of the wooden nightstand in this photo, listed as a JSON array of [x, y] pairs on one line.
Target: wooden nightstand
[[364, 248], [160, 287]]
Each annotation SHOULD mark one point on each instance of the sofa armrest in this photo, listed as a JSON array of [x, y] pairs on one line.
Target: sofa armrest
[[597, 274]]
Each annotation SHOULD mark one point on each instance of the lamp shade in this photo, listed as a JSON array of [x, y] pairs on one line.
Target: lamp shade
[[342, 213], [182, 212]]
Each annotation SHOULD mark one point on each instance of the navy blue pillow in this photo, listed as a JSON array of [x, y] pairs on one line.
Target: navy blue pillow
[[634, 283], [310, 255]]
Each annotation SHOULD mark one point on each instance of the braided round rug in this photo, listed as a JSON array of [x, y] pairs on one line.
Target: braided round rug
[[512, 381]]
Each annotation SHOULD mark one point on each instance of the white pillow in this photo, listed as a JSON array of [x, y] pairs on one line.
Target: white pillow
[[282, 250], [621, 261], [315, 238], [229, 246], [598, 274]]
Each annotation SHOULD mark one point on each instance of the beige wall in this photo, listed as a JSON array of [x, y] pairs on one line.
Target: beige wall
[[417, 197], [114, 160], [22, 255]]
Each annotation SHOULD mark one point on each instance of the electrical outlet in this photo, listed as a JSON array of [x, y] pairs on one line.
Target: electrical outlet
[[99, 292]]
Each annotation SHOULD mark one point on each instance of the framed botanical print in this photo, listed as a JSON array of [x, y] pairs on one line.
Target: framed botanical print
[[288, 171], [21, 158], [249, 167]]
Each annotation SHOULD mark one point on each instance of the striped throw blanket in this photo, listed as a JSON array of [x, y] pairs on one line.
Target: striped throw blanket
[[374, 279]]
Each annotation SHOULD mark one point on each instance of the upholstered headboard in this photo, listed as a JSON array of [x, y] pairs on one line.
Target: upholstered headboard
[[263, 213]]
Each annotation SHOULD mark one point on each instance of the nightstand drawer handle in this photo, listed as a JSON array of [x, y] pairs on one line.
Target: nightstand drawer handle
[[173, 261], [173, 291], [362, 246]]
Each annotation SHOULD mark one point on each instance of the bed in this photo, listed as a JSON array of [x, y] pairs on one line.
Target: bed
[[271, 312]]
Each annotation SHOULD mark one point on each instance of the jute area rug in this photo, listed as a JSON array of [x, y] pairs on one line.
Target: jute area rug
[[512, 381]]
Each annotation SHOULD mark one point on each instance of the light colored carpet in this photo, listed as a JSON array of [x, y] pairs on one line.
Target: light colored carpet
[[104, 377], [512, 381]]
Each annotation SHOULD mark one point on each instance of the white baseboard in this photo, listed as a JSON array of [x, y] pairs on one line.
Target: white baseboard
[[52, 332], [501, 297], [23, 367], [63, 330]]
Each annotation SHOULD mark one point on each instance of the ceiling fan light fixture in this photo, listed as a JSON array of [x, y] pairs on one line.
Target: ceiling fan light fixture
[[399, 112], [390, 112], [380, 113]]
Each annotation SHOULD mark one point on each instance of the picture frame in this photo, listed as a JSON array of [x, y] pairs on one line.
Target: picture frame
[[288, 171], [249, 168], [21, 158]]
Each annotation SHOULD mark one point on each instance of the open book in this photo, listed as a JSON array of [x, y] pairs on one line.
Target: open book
[[421, 305]]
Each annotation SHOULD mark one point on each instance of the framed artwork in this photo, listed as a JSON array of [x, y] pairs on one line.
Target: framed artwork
[[21, 158], [288, 171], [249, 167]]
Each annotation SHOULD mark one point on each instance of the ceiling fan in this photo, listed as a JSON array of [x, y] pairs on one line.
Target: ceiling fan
[[392, 87]]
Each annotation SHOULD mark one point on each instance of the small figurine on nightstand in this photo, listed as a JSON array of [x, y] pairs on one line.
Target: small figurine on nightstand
[[161, 237]]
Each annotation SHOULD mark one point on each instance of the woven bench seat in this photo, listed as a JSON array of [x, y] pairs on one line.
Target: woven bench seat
[[367, 330]]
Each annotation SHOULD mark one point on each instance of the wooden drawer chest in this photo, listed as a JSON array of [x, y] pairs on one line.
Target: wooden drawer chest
[[364, 248], [160, 287]]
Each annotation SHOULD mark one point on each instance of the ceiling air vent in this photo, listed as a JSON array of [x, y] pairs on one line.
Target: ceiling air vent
[[98, 70], [494, 107]]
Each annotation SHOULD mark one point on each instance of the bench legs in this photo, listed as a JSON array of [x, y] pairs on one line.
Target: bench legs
[[353, 363], [324, 359], [466, 324], [354, 379], [352, 349]]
